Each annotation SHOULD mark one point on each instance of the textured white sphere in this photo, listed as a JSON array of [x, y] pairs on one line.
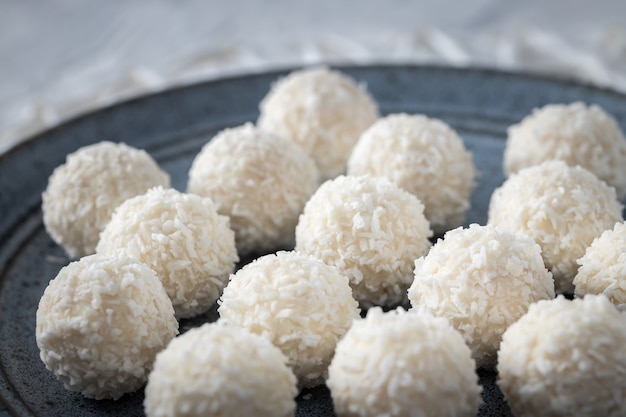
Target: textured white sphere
[[259, 180], [299, 303], [562, 208], [182, 238], [218, 371], [574, 133], [565, 358], [371, 230], [83, 192], [425, 157], [100, 324], [400, 364], [482, 279], [603, 266], [322, 110]]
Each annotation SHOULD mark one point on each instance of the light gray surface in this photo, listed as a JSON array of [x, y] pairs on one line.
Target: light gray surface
[[64, 57]]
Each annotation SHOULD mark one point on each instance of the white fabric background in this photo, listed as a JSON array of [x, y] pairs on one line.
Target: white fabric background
[[60, 58]]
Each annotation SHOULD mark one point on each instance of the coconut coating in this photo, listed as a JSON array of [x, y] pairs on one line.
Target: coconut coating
[[400, 364], [182, 238], [299, 303], [217, 370], [482, 279], [423, 156], [574, 133], [83, 192], [371, 230], [100, 324], [603, 266], [562, 208], [322, 110], [260, 180], [566, 358]]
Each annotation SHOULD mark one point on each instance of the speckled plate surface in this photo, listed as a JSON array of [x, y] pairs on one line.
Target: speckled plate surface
[[172, 126]]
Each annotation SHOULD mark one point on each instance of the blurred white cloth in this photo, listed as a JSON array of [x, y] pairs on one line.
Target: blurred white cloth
[[64, 57]]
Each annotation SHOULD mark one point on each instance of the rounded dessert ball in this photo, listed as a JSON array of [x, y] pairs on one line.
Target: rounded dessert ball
[[574, 133], [83, 192], [322, 110], [182, 238], [370, 230], [401, 364], [565, 358], [100, 324], [562, 208], [423, 156], [259, 180], [300, 304], [482, 279], [216, 371], [603, 266]]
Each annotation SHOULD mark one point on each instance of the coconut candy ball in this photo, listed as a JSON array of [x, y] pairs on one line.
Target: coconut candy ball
[[574, 133], [423, 156], [401, 364], [565, 358], [259, 180], [216, 371], [182, 238], [100, 324], [482, 279], [322, 110], [300, 304], [370, 230], [83, 192], [562, 208], [603, 266]]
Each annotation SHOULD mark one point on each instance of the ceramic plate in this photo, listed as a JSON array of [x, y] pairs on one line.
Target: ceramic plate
[[172, 126]]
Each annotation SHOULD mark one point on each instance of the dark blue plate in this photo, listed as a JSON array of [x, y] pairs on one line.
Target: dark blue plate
[[172, 126]]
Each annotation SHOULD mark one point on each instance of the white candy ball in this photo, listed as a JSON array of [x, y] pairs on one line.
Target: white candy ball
[[401, 364], [182, 238], [217, 371], [574, 133], [565, 358], [603, 266], [370, 230], [482, 279], [257, 179], [561, 208], [83, 192], [423, 156], [100, 324], [323, 111], [299, 303]]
